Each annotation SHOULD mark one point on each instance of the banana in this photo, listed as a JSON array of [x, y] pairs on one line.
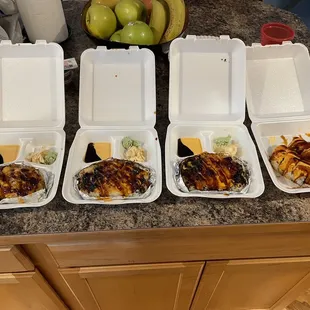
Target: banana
[[177, 20], [159, 19], [110, 3]]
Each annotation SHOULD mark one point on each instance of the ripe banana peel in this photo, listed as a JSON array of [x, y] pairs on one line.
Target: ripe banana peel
[[159, 19], [177, 20]]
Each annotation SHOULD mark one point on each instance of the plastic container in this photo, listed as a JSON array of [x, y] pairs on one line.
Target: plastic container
[[207, 100], [117, 99], [276, 33], [278, 100], [32, 103]]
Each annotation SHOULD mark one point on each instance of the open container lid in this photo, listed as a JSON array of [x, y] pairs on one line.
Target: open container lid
[[32, 86], [207, 80], [117, 88], [278, 79]]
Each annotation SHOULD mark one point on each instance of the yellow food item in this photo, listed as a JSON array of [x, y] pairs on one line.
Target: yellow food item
[[159, 19], [193, 144], [103, 149], [285, 142], [177, 20], [9, 152], [230, 149], [272, 140], [136, 154]]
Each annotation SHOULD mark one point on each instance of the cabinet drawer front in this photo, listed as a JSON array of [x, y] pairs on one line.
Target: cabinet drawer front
[[101, 253], [14, 259]]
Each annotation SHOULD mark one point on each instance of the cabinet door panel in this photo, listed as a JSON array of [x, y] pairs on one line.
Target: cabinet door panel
[[27, 291], [136, 287], [13, 259], [251, 284]]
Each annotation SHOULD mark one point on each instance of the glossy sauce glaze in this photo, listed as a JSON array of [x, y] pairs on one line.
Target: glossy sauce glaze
[[114, 177]]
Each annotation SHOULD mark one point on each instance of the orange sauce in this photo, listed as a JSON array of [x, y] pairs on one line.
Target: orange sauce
[[9, 153]]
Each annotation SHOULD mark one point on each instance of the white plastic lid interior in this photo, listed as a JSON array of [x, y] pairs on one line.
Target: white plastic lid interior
[[207, 79], [32, 85], [278, 79], [117, 88]]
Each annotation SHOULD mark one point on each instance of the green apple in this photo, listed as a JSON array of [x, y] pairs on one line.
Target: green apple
[[116, 36], [137, 33], [100, 21], [128, 11], [110, 3]]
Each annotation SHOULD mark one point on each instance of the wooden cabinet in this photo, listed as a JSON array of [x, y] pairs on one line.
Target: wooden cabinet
[[27, 290], [135, 287], [252, 284], [244, 267], [13, 259]]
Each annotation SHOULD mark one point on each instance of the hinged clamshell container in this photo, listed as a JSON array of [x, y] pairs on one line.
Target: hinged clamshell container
[[278, 100], [206, 101], [117, 99], [32, 104]]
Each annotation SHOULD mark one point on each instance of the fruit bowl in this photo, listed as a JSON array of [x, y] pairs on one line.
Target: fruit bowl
[[156, 48]]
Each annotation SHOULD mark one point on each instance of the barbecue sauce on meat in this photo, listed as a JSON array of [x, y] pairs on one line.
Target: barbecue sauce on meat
[[293, 161], [209, 171], [114, 178], [19, 181]]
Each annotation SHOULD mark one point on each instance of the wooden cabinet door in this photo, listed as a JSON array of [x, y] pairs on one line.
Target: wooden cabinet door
[[252, 284], [135, 287], [14, 259], [27, 291]]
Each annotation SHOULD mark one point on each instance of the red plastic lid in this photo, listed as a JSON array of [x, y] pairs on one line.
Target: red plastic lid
[[276, 33]]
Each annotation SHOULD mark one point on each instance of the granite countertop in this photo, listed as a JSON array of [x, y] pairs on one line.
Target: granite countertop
[[241, 19]]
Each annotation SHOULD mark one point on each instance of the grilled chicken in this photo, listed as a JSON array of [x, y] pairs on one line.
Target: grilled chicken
[[114, 177], [293, 161], [19, 181], [208, 171]]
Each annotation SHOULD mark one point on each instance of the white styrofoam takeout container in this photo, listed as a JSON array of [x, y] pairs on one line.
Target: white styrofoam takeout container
[[207, 100], [32, 104], [278, 100], [117, 99]]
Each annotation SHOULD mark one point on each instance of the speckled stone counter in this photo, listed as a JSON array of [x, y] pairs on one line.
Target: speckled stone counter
[[240, 19]]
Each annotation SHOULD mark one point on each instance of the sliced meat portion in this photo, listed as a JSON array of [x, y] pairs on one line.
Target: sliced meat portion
[[289, 162], [293, 161], [298, 145], [19, 181], [209, 171], [300, 173], [114, 177]]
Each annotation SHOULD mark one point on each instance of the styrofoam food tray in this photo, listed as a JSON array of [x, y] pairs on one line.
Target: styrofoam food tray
[[117, 99], [268, 136], [32, 104], [207, 100], [278, 100]]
